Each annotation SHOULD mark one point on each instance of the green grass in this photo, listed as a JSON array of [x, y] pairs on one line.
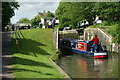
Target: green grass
[[30, 59]]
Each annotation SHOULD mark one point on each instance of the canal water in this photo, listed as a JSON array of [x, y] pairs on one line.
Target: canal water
[[78, 66]]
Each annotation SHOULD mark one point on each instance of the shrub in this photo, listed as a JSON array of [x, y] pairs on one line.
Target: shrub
[[114, 31]]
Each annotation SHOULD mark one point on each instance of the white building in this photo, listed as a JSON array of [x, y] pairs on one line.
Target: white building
[[47, 21], [97, 20]]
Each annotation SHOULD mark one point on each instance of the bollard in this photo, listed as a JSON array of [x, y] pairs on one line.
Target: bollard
[[16, 44]]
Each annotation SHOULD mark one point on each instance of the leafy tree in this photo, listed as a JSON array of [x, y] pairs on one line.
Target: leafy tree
[[107, 10], [24, 20], [115, 32], [36, 19], [69, 13], [8, 11], [50, 14]]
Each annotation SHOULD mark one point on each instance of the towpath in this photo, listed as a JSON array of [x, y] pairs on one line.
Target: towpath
[[6, 56]]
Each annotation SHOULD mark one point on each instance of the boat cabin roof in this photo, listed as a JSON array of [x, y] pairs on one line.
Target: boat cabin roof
[[75, 40], [70, 40]]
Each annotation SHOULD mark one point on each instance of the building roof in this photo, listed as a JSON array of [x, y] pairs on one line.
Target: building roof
[[47, 18], [23, 24]]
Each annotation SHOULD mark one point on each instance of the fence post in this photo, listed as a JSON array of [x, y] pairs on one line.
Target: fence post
[[16, 39]]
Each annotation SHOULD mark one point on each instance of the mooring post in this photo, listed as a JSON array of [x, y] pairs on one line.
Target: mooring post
[[57, 39], [16, 44]]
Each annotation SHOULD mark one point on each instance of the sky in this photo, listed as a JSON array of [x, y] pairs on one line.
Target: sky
[[31, 9]]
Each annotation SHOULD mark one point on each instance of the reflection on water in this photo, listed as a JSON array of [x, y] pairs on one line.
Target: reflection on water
[[77, 66]]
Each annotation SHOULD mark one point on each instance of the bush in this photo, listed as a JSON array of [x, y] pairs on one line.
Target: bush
[[114, 31], [105, 23], [94, 26]]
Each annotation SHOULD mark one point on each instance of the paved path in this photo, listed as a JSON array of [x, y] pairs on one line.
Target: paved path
[[6, 56]]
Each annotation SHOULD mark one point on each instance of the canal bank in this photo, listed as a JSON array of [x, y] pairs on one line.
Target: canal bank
[[30, 58], [66, 76]]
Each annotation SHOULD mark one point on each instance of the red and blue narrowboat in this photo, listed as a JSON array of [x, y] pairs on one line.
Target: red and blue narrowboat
[[82, 47]]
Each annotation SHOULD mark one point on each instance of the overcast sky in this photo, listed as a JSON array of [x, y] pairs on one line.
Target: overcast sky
[[31, 9]]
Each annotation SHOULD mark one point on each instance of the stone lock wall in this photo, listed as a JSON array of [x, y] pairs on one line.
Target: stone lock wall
[[104, 38], [56, 38]]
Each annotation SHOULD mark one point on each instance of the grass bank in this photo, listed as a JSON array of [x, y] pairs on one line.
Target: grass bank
[[30, 59]]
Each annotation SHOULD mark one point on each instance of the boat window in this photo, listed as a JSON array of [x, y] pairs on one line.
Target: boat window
[[76, 45], [66, 43], [69, 44], [72, 44], [63, 43]]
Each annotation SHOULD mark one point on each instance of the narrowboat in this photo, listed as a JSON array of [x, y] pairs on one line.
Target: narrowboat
[[82, 47]]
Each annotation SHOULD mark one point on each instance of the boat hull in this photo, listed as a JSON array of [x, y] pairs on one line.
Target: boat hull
[[101, 55], [92, 54], [81, 47]]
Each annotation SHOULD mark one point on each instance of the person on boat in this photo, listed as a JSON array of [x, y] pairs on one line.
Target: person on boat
[[95, 41]]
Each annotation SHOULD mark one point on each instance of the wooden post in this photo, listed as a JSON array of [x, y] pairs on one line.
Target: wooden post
[[16, 33], [57, 39]]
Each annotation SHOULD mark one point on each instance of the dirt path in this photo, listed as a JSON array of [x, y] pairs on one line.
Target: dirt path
[[6, 56]]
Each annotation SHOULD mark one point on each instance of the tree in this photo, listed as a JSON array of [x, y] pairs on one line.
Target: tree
[[69, 13], [115, 32], [36, 19], [8, 11], [24, 20], [107, 10], [49, 14]]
